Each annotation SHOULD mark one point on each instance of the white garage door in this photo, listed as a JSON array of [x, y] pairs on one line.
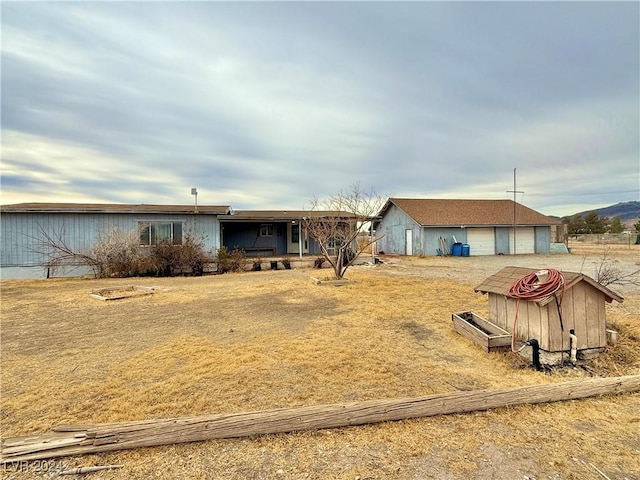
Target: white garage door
[[525, 240], [482, 241]]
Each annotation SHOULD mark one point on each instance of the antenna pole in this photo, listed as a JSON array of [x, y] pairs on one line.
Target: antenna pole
[[515, 205], [194, 192]]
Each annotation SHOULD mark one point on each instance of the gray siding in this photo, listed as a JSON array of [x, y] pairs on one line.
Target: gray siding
[[22, 236], [431, 239], [393, 227]]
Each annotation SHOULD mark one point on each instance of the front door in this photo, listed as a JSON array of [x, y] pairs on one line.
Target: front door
[[294, 240], [408, 234]]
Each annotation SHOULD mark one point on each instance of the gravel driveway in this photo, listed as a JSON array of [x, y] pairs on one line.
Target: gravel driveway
[[475, 269]]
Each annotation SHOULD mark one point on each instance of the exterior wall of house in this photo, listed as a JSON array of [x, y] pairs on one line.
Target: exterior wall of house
[[582, 309], [393, 227], [431, 239], [23, 239]]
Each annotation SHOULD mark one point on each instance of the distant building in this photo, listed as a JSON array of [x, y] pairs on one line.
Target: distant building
[[412, 226]]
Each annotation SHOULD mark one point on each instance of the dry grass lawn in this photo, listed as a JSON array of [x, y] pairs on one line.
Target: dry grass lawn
[[263, 340]]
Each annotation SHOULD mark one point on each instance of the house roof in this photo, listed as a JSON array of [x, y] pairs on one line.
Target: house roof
[[501, 281], [111, 208], [282, 215], [441, 212]]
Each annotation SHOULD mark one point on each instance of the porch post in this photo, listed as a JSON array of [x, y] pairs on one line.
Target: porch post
[[300, 239]]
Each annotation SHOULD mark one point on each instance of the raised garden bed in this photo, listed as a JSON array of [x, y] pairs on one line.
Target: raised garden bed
[[329, 281], [116, 293], [486, 334]]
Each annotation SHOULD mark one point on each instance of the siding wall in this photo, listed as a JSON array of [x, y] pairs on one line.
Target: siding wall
[[393, 227], [583, 310], [431, 239], [22, 236]]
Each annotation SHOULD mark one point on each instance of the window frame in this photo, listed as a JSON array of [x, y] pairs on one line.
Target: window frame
[[266, 230], [149, 230]]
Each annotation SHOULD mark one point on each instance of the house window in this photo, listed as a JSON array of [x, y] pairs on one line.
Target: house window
[[295, 233], [153, 233], [266, 230]]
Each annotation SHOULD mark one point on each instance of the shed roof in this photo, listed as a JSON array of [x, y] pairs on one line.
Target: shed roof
[[442, 212], [501, 281], [111, 208]]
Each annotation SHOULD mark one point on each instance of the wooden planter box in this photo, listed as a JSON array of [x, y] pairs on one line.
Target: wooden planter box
[[335, 283], [116, 293], [486, 334]]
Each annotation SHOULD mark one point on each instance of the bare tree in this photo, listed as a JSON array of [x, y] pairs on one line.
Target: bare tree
[[115, 253], [55, 251], [338, 224], [607, 272]]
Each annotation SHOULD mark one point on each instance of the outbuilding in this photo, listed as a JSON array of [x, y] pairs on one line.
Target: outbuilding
[[413, 226], [578, 307]]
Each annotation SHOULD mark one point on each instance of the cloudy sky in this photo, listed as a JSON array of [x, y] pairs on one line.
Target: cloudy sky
[[267, 105]]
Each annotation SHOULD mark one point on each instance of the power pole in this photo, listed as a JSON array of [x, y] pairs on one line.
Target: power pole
[[514, 209]]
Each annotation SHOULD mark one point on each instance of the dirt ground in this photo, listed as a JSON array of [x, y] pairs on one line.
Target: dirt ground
[[262, 340]]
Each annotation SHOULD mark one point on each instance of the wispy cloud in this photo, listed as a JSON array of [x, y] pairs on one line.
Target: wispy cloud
[[265, 105]]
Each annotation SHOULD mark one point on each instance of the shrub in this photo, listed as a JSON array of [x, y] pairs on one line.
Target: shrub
[[117, 255], [165, 258], [230, 261], [168, 259]]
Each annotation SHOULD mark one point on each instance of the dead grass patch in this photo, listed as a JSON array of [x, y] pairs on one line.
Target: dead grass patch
[[263, 340]]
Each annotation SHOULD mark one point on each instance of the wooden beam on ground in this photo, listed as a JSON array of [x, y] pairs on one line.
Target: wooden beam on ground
[[84, 439]]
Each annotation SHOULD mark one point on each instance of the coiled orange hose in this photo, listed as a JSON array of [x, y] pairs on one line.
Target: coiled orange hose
[[531, 287]]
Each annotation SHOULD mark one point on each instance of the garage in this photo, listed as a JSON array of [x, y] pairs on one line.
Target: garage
[[525, 240], [482, 241]]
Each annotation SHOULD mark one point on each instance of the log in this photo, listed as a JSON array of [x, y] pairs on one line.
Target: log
[[84, 439]]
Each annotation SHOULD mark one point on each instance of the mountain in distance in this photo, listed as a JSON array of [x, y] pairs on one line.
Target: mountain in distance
[[625, 210], [629, 212]]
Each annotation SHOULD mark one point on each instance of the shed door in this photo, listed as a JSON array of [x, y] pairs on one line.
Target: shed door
[[525, 240], [408, 234], [482, 241]]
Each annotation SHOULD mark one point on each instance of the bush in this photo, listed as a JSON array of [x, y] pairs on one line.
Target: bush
[[168, 259], [165, 258], [230, 261], [117, 255]]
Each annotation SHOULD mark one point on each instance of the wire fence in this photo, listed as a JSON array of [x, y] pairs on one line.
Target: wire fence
[[607, 238]]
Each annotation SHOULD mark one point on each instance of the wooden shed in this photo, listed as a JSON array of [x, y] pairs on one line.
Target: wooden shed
[[549, 320]]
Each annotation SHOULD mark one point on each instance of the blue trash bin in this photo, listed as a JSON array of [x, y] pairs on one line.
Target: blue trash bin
[[456, 250], [466, 250]]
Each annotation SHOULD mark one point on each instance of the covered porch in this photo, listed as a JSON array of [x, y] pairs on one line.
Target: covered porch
[[267, 233]]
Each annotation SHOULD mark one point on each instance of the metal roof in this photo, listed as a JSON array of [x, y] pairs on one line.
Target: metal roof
[[112, 208], [441, 212]]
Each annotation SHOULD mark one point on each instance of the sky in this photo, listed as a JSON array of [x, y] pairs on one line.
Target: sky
[[268, 105]]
